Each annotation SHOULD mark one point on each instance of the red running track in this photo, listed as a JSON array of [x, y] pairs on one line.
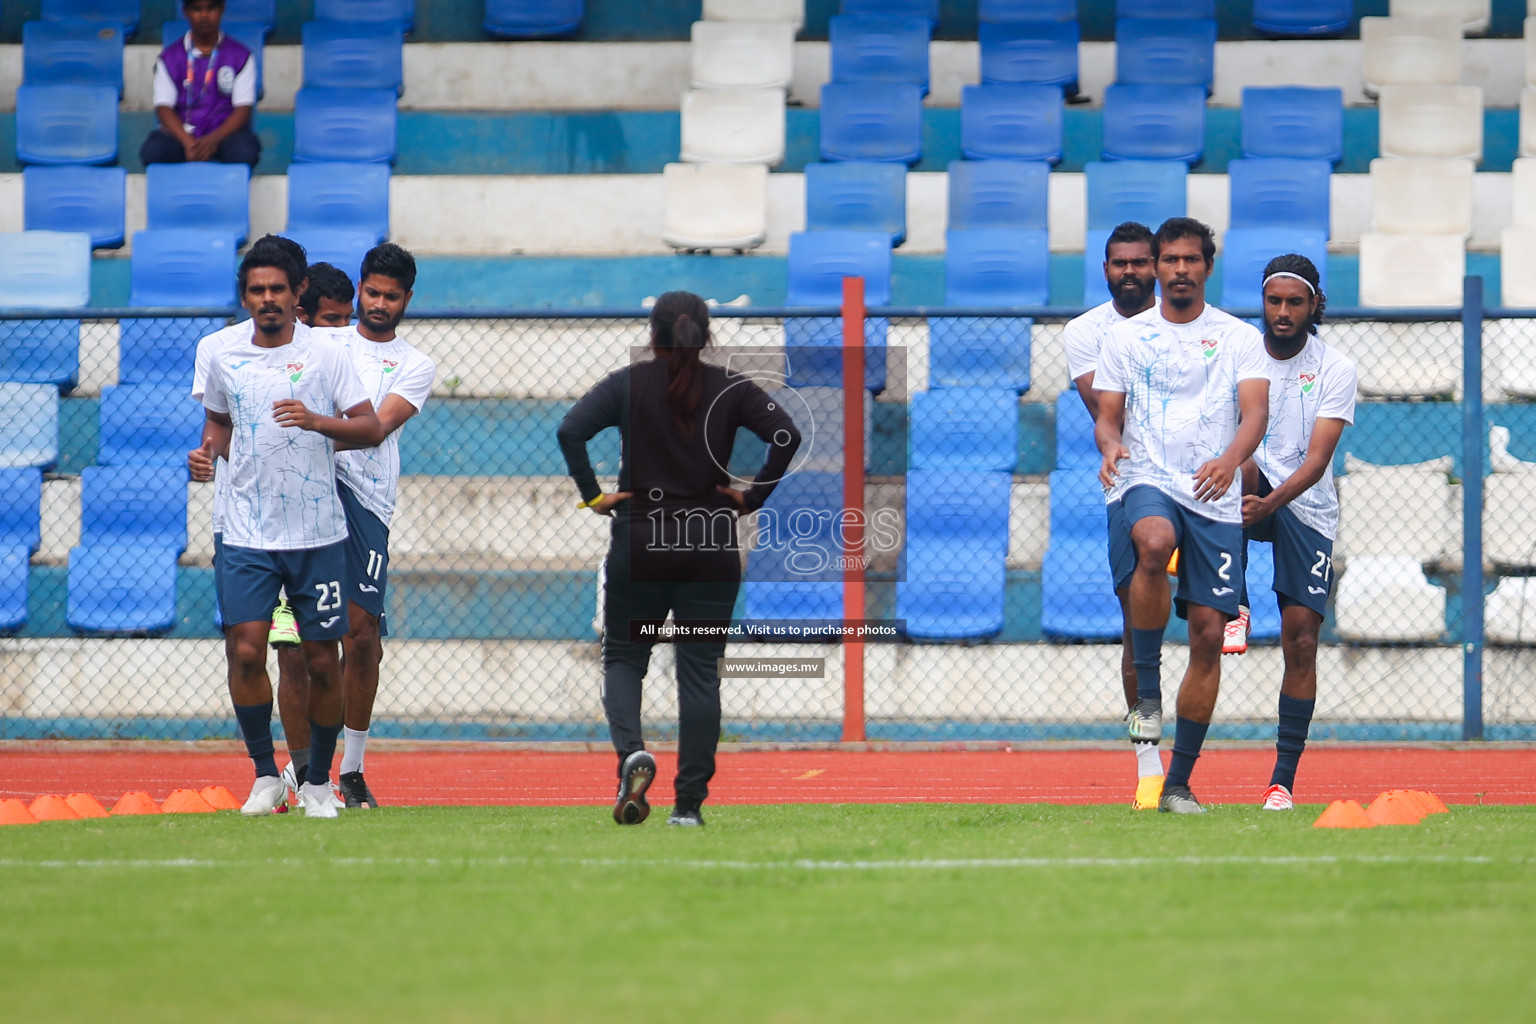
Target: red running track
[[489, 775]]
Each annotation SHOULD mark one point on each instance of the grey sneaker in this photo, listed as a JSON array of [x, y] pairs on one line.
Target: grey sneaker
[[1179, 800], [687, 817], [1145, 721], [635, 777]]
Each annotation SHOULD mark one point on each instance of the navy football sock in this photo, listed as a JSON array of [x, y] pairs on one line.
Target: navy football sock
[[256, 729], [1147, 656], [1291, 739], [322, 750], [1188, 737]]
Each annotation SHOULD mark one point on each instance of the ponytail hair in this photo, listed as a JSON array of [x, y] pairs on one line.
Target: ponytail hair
[[679, 333]]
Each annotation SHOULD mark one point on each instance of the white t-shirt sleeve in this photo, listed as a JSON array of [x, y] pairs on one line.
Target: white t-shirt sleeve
[[201, 365], [1339, 387], [1082, 345], [213, 394], [164, 93], [1251, 361], [244, 92], [415, 384], [348, 389], [1109, 375]]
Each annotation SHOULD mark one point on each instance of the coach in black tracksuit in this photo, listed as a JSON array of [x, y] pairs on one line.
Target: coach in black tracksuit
[[674, 542]]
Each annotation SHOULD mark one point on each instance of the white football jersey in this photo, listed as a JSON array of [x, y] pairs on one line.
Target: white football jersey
[[1319, 382]]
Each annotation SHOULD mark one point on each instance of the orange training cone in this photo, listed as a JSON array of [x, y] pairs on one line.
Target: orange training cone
[[137, 802], [186, 801], [14, 812], [1344, 814], [1173, 563], [53, 808], [220, 798], [86, 805], [1432, 803], [1394, 807]]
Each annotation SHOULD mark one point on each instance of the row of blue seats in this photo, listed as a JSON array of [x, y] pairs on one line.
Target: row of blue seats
[[1294, 18], [512, 19], [139, 425]]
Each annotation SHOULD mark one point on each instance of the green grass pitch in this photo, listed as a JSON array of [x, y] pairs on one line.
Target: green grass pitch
[[786, 914]]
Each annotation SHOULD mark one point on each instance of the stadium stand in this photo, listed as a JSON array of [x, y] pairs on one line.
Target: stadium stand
[[856, 196], [205, 196], [40, 352], [160, 350], [72, 53], [353, 55], [733, 126], [1411, 270], [955, 586], [29, 425], [743, 54], [1277, 192], [1432, 121], [880, 48], [84, 200], [715, 206], [344, 124], [45, 270], [1030, 53], [124, 13], [775, 586], [871, 121], [397, 12], [66, 124], [995, 267], [1011, 122], [1154, 122], [1421, 197], [183, 267], [818, 262], [21, 495], [1410, 51], [1293, 122], [998, 193], [148, 425], [339, 197], [1165, 51]]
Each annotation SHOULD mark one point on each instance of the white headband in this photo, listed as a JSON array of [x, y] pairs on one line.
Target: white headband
[[1287, 273]]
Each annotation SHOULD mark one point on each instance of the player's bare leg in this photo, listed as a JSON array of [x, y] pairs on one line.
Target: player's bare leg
[[361, 654]]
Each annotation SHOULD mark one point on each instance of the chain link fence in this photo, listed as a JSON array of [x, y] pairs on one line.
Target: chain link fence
[[982, 520]]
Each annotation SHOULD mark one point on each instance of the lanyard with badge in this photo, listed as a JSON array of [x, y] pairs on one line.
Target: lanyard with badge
[[194, 97]]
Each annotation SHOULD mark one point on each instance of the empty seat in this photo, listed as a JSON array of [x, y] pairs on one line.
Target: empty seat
[[996, 267], [21, 495], [66, 124], [1030, 53], [343, 250], [1075, 445], [340, 197], [964, 429], [1077, 596], [40, 352], [857, 196], [1411, 270], [352, 55], [1473, 15], [792, 11], [979, 352], [1303, 17], [1005, 11], [148, 425], [129, 505], [1248, 250], [743, 54], [534, 19], [252, 33], [45, 270], [871, 121], [955, 556], [1275, 192], [160, 350], [799, 516], [1154, 122], [1421, 197], [1395, 511], [1431, 121], [1410, 51], [1293, 122], [1388, 600], [399, 12], [743, 126], [880, 48], [206, 196], [1517, 266], [928, 10], [1148, 192], [123, 13], [1509, 529], [998, 194], [85, 200], [182, 267], [821, 412], [122, 590], [1523, 180], [1509, 614], [1398, 360], [1180, 9], [262, 13], [818, 261], [1011, 122], [1165, 51], [72, 53], [29, 425], [715, 206], [356, 125]]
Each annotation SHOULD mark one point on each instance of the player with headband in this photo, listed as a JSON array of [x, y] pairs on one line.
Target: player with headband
[[1289, 499]]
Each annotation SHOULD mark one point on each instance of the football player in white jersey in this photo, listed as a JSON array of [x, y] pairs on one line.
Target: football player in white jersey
[[1289, 498], [1183, 401], [1132, 279], [276, 403]]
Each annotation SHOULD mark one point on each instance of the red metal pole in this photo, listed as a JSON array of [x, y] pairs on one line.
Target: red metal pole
[[853, 505]]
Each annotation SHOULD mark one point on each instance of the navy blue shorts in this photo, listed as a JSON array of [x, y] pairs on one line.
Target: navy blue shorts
[[1210, 552], [367, 557], [250, 581], [1303, 557], [218, 584], [1122, 553]]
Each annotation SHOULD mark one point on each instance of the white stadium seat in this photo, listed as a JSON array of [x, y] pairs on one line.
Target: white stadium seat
[[1410, 51], [792, 11], [1411, 270], [743, 54], [1421, 197], [1395, 511], [1388, 600], [715, 206], [1517, 266], [1530, 51], [1474, 15], [1528, 121], [1509, 529], [739, 126], [1510, 357], [1431, 121], [1401, 360], [1509, 615], [1523, 182]]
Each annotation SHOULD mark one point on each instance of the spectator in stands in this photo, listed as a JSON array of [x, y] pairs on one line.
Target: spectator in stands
[[204, 92], [327, 302]]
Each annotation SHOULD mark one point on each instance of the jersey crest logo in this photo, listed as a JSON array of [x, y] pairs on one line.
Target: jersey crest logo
[[295, 371], [389, 365], [1209, 346], [1308, 381]]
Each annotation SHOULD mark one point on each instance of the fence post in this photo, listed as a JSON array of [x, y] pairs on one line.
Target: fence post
[[1473, 433], [853, 505]]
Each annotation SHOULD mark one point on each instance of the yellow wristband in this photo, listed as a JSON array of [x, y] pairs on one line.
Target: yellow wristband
[[589, 504]]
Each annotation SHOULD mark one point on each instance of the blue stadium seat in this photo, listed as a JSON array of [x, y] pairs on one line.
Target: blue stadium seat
[[339, 197], [343, 250], [205, 196], [956, 553], [40, 352], [88, 200], [344, 124], [1148, 192], [123, 13], [857, 196], [1154, 122], [925, 9], [29, 425], [1165, 51], [399, 12], [353, 55], [1247, 250], [1011, 122], [1180, 9], [129, 505], [1030, 53], [818, 262], [21, 494], [250, 12], [1275, 192], [45, 269], [880, 48], [533, 19], [778, 585], [122, 589], [1075, 446], [66, 124], [72, 53], [182, 267], [964, 429], [160, 350], [251, 32], [1310, 18], [871, 121], [1259, 574], [148, 425], [1293, 122], [979, 352], [998, 194], [1077, 596], [1005, 11], [996, 267]]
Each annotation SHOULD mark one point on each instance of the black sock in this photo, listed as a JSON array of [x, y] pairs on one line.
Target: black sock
[[1291, 739], [322, 750], [1188, 737], [300, 759], [1147, 656], [256, 729]]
